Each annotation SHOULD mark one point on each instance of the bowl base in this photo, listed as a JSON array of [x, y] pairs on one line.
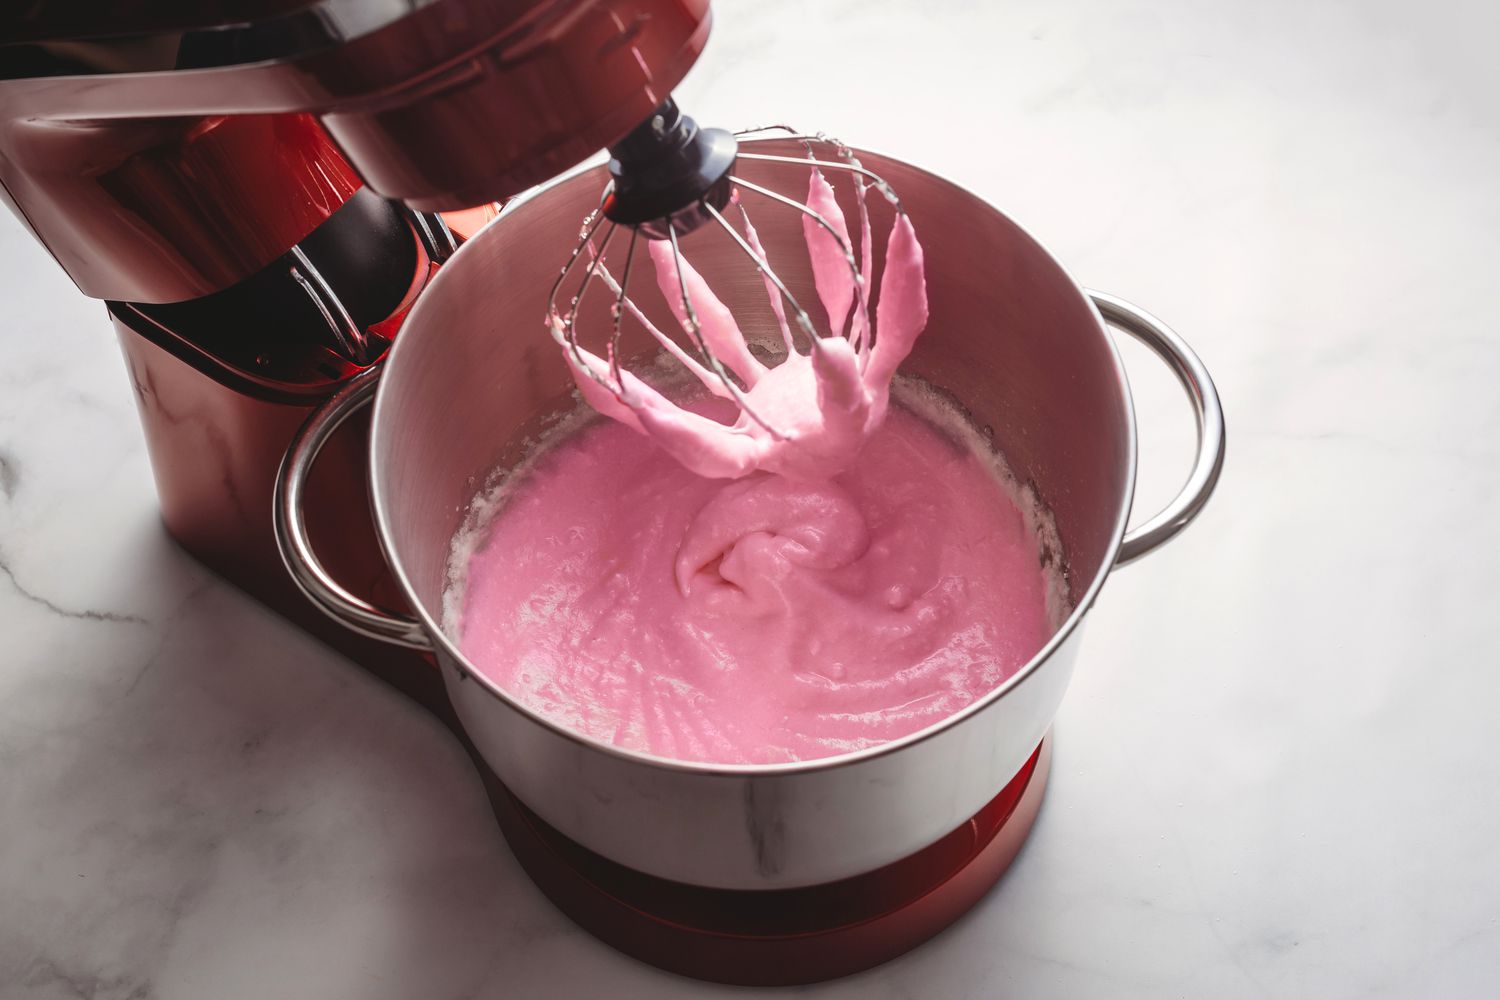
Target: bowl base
[[779, 937]]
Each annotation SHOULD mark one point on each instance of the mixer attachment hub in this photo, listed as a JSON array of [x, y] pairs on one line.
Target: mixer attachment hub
[[668, 172]]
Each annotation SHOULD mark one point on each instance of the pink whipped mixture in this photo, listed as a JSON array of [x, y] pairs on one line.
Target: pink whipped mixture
[[791, 572]]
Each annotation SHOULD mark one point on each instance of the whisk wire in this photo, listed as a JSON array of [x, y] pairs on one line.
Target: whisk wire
[[695, 330], [591, 224], [709, 380], [619, 307], [843, 244], [864, 333], [588, 275], [764, 267], [856, 168], [565, 323]]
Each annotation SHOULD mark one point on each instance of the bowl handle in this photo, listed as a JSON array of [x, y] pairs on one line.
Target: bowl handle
[[1206, 409], [291, 525]]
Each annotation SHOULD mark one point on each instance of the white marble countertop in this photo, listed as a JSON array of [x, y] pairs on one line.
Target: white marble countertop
[[1276, 771]]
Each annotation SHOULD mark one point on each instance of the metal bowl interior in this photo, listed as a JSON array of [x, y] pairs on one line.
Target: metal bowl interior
[[475, 378]]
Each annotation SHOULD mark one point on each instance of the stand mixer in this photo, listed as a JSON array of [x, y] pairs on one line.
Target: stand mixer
[[258, 190], [254, 189]]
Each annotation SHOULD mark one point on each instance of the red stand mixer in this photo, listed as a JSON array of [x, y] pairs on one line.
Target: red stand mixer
[[258, 191]]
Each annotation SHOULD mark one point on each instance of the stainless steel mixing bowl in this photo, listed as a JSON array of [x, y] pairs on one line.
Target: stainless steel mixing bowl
[[1011, 336]]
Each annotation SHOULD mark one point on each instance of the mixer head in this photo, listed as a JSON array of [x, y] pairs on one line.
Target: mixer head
[[668, 178]]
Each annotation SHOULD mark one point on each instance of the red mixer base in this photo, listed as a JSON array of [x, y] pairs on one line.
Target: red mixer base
[[784, 936]]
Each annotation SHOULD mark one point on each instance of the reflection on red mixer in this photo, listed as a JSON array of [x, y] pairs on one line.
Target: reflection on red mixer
[[465, 222]]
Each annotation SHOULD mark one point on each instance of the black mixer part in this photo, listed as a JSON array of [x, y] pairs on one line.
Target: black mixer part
[[665, 170], [306, 318]]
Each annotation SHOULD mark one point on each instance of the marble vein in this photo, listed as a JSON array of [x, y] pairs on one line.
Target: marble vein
[[85, 614], [10, 475]]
